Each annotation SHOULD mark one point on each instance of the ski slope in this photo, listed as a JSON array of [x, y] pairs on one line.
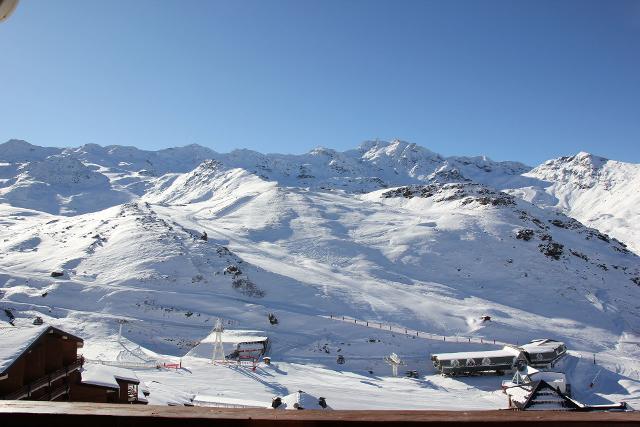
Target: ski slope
[[388, 232]]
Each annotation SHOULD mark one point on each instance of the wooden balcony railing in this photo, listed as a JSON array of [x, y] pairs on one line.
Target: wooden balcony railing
[[52, 414], [26, 391]]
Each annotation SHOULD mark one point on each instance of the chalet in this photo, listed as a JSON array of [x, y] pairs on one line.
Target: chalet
[[38, 363], [539, 396], [42, 363], [476, 362], [542, 396], [544, 353], [108, 384]]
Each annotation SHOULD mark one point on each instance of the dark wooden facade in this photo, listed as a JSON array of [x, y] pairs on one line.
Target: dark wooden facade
[[45, 369], [50, 369], [126, 392]]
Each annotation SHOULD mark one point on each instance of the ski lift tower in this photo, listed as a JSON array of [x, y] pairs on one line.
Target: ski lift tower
[[218, 347], [395, 361], [121, 322]]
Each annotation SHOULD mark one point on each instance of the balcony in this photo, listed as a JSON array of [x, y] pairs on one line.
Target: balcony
[[46, 381]]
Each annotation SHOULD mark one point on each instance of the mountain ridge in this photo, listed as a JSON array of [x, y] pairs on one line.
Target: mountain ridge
[[391, 232]]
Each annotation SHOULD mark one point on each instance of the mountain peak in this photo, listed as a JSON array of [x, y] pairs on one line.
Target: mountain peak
[[17, 150]]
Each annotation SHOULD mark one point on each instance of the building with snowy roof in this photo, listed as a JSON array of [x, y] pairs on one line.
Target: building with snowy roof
[[238, 344], [42, 363], [542, 396], [544, 352], [298, 401], [528, 374], [473, 362], [539, 396], [108, 384], [38, 363]]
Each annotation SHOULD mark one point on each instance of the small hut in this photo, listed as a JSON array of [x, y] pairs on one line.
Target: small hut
[[108, 384]]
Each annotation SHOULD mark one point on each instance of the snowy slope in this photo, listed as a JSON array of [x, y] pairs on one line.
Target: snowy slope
[[599, 192], [389, 232], [60, 184]]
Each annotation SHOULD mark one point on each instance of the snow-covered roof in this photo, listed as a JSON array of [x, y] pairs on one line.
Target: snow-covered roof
[[237, 336], [540, 396], [106, 376], [300, 400], [230, 338], [17, 340], [226, 402], [141, 397], [505, 352], [519, 393], [541, 346], [549, 377]]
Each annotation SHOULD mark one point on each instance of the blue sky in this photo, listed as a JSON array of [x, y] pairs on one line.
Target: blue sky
[[521, 80]]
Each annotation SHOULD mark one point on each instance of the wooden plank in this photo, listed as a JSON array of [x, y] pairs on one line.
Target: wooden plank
[[52, 414]]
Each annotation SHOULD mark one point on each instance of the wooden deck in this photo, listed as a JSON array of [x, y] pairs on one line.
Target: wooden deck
[[48, 414]]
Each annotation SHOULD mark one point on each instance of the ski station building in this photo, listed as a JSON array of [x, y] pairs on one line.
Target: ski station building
[[238, 345], [469, 363], [543, 353]]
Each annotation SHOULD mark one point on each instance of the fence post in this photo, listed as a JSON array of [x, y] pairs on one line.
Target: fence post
[[444, 338], [494, 341], [367, 323]]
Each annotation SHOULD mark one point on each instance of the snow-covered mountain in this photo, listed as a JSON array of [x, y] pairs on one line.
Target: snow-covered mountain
[[599, 192], [389, 232]]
